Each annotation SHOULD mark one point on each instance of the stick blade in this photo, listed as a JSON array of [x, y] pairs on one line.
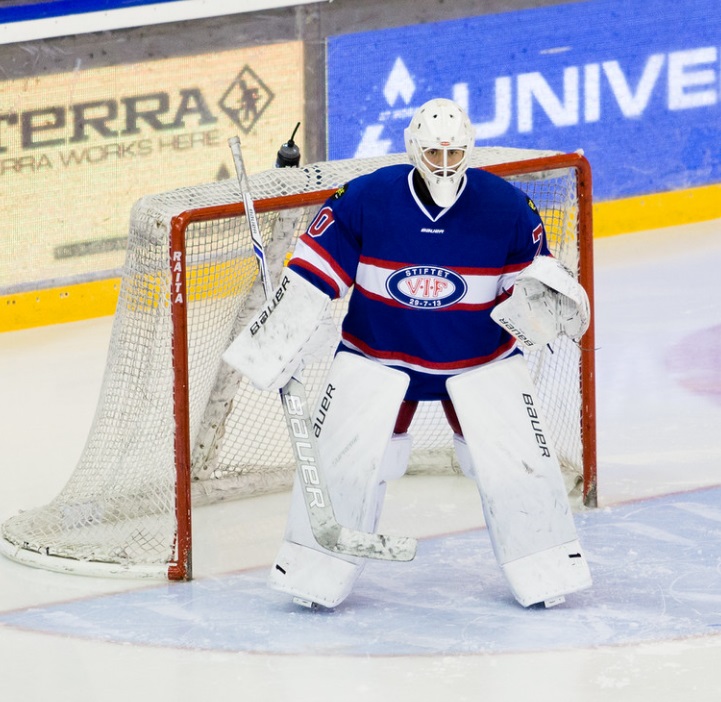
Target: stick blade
[[378, 546]]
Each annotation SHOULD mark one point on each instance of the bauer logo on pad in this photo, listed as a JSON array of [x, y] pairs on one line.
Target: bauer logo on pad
[[426, 287]]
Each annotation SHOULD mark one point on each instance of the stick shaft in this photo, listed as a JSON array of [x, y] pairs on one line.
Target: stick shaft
[[326, 530]]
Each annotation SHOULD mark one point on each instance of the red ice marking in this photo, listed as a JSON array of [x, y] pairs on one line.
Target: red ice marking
[[695, 363]]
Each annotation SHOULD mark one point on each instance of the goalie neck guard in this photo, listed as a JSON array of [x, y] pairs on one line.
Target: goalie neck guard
[[438, 141]]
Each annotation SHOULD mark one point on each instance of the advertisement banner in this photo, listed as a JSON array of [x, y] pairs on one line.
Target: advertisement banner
[[78, 149], [29, 20], [636, 85]]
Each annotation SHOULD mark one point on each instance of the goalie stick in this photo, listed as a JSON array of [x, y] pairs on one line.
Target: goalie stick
[[326, 530]]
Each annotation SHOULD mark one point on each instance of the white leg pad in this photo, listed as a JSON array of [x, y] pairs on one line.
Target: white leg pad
[[463, 455], [353, 425], [524, 499], [312, 575], [548, 575], [395, 459]]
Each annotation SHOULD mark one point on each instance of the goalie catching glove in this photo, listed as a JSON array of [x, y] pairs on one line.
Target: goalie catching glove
[[294, 326], [547, 301]]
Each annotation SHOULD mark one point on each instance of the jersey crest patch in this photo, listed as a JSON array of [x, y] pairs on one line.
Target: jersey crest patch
[[426, 287]]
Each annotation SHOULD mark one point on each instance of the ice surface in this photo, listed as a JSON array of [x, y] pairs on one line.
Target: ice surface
[[441, 627]]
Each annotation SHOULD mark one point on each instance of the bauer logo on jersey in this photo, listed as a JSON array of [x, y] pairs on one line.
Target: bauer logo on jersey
[[426, 287]]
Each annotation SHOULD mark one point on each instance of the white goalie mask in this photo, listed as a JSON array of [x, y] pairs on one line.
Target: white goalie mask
[[438, 140]]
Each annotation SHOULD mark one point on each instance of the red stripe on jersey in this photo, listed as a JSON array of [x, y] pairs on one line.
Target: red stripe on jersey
[[467, 306], [381, 263], [378, 298], [332, 263], [448, 366], [461, 270], [516, 267], [301, 263]]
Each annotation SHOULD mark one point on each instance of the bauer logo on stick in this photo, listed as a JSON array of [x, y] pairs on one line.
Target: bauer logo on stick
[[257, 325]]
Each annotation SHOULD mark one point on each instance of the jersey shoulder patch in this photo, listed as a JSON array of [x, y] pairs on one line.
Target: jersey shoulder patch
[[338, 194], [531, 204]]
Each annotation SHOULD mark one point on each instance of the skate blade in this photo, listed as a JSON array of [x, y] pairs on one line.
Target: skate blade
[[308, 604]]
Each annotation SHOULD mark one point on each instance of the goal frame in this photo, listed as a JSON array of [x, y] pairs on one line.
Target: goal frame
[[126, 510], [181, 568]]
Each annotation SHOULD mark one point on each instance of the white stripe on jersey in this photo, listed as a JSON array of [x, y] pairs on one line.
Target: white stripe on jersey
[[481, 289], [507, 281]]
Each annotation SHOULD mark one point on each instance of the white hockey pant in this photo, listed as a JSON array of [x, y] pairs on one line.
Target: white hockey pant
[[358, 453], [506, 449]]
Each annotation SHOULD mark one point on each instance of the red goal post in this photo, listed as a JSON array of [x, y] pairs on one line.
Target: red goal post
[[176, 427]]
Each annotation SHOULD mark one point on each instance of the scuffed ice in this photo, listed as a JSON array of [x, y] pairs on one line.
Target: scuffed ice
[[656, 576]]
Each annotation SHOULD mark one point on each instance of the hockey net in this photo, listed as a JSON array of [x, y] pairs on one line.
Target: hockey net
[[174, 425]]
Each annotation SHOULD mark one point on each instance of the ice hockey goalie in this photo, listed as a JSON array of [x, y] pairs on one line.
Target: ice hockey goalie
[[428, 252]]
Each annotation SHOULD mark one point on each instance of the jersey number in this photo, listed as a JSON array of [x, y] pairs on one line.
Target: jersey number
[[322, 221]]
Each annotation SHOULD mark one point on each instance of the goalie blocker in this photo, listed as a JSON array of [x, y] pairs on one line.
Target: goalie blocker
[[292, 327]]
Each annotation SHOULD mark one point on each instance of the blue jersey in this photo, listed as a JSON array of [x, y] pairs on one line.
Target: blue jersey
[[424, 279]]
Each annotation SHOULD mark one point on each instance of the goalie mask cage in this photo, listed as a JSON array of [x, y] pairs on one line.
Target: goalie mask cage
[[176, 425]]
